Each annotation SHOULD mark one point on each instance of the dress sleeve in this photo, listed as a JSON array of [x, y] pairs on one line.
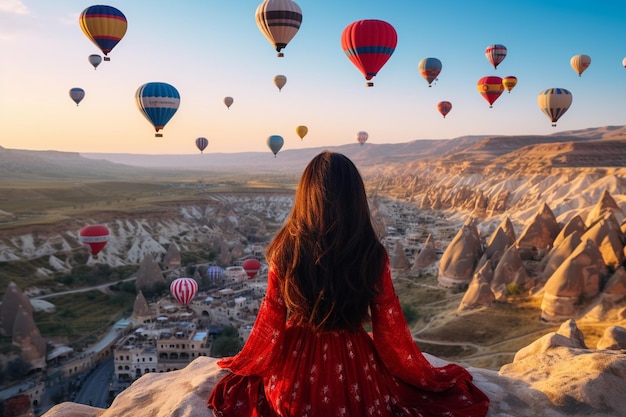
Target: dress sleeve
[[397, 349], [266, 338]]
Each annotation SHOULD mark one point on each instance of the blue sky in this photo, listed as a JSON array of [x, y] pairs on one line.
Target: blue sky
[[211, 49]]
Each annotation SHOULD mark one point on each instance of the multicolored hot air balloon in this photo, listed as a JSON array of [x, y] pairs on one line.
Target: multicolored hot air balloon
[[251, 266], [580, 63], [509, 82], [301, 131], [183, 290], [369, 44], [94, 237], [280, 81], [95, 60], [228, 101], [279, 21], [444, 108], [554, 102], [490, 88], [77, 94], [215, 273], [158, 102], [429, 68], [361, 137], [275, 143], [495, 54], [202, 143], [103, 25]]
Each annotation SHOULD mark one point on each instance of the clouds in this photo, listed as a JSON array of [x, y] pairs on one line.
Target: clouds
[[13, 7]]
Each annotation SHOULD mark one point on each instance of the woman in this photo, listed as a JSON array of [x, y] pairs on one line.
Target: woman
[[308, 353]]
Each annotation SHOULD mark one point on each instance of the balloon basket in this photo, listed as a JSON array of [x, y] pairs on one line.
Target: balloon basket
[[369, 84], [158, 135], [280, 55], [106, 58]]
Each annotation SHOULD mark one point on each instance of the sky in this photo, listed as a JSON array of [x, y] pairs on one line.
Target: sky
[[211, 49]]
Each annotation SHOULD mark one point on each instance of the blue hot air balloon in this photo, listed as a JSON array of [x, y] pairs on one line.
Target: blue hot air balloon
[[77, 94], [275, 142], [215, 273], [158, 102]]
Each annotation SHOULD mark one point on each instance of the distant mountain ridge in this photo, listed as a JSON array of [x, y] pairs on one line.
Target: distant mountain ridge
[[477, 151]]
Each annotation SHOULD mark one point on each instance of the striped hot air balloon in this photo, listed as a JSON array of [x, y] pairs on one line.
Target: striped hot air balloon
[[202, 143], [509, 82], [429, 68], [495, 54], [103, 25], [490, 88], [279, 21], [580, 63], [554, 102], [158, 102], [184, 289], [215, 273], [369, 44]]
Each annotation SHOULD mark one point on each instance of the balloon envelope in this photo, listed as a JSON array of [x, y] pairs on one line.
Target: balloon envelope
[[369, 44], [77, 94], [624, 62], [429, 68], [94, 238], [280, 81], [495, 54], [279, 21], [361, 137], [580, 63], [215, 273], [158, 102], [184, 289], [554, 102], [509, 82], [95, 60], [275, 143], [251, 266], [228, 101], [444, 108], [490, 88], [301, 131], [103, 25], [202, 143]]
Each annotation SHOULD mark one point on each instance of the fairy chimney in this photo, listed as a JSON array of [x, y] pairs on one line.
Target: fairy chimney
[[458, 261]]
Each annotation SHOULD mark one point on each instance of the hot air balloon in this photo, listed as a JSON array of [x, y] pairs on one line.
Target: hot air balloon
[[509, 82], [369, 44], [184, 289], [580, 63], [215, 273], [95, 60], [158, 102], [624, 62], [202, 143], [77, 94], [495, 54], [280, 81], [429, 68], [94, 238], [251, 266], [490, 88], [301, 131], [275, 143], [228, 101], [554, 102], [103, 25], [279, 21], [444, 108], [361, 137]]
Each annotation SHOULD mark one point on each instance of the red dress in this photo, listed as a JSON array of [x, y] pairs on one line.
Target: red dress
[[289, 370]]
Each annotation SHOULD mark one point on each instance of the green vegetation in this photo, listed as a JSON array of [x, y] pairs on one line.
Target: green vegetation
[[228, 343]]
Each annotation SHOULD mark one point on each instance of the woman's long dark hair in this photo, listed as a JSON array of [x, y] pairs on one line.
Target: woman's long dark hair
[[327, 255]]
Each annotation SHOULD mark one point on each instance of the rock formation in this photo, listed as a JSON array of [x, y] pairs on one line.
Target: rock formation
[[26, 335], [172, 258], [509, 275], [149, 274], [456, 266], [141, 309], [426, 256], [479, 292], [606, 204], [538, 236], [12, 299], [399, 262]]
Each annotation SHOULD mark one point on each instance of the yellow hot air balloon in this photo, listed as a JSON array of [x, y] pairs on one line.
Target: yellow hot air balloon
[[280, 81], [509, 82], [580, 63], [554, 102], [302, 131]]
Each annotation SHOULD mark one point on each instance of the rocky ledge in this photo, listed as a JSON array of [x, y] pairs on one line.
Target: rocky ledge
[[555, 376]]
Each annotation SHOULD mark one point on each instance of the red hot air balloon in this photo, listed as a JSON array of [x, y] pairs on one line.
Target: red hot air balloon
[[369, 44], [444, 108], [495, 54], [184, 289], [94, 238], [490, 88], [251, 266]]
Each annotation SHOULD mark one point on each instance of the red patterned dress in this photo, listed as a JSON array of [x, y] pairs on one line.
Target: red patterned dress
[[289, 370]]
